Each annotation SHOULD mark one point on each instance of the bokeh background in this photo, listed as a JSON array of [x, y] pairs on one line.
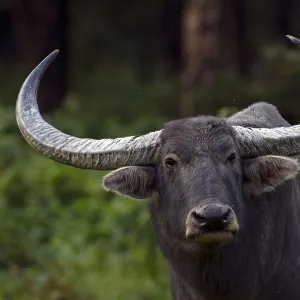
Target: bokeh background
[[124, 68]]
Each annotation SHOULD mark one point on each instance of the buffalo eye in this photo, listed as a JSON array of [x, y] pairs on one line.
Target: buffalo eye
[[170, 161], [231, 158]]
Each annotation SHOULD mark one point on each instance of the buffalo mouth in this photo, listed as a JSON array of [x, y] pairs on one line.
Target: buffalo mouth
[[209, 236]]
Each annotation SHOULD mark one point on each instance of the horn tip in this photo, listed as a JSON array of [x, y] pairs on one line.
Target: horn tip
[[54, 53], [46, 62], [294, 40]]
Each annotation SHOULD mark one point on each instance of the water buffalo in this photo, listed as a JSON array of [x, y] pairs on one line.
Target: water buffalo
[[223, 194]]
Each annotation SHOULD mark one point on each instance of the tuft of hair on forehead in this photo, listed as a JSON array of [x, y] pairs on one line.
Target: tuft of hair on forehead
[[195, 127], [190, 136]]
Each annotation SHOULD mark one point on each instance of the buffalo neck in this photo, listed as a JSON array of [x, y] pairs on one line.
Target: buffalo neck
[[240, 269]]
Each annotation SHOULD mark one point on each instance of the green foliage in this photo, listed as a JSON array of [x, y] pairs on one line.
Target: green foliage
[[63, 237], [274, 78], [119, 103]]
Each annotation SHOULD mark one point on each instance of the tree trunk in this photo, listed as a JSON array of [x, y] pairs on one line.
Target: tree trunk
[[171, 27], [233, 41], [39, 28], [201, 20]]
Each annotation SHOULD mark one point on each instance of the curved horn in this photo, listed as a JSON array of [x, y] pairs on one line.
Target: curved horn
[[294, 40], [264, 141], [103, 154]]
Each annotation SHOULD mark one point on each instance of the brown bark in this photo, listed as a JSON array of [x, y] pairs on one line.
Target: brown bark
[[171, 28], [201, 20], [234, 54], [39, 28], [229, 55]]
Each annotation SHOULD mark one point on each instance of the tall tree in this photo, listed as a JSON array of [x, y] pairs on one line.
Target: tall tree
[[200, 39], [40, 27]]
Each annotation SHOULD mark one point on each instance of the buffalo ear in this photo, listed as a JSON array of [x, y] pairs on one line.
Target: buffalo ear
[[135, 182], [265, 173]]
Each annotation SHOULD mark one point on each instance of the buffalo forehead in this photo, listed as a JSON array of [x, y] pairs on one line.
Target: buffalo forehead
[[191, 136]]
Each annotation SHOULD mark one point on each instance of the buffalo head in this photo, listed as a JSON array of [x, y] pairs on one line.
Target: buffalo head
[[196, 171]]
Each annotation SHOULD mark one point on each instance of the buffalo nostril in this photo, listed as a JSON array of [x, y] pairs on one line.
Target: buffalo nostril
[[226, 212], [226, 215], [198, 217], [212, 217]]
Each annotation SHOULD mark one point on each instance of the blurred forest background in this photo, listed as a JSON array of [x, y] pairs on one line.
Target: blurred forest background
[[125, 67]]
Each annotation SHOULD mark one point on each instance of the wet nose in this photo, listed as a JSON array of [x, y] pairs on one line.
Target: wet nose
[[211, 216]]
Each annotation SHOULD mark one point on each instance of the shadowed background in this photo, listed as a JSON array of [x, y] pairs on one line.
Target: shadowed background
[[124, 68]]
